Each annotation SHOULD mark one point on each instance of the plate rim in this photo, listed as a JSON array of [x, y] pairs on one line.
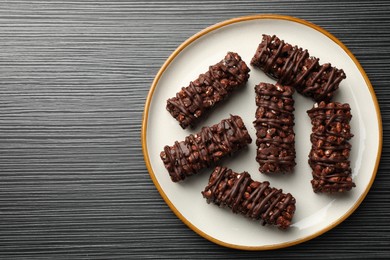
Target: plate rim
[[214, 27]]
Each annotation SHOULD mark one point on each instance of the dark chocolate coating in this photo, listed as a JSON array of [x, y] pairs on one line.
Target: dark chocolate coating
[[275, 128], [293, 66], [210, 88], [253, 199], [203, 149], [329, 155]]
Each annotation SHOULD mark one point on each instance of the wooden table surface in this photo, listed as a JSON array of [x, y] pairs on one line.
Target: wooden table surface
[[74, 76]]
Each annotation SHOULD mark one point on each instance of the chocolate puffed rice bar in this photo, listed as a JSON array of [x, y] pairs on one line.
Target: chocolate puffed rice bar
[[209, 89], [253, 199], [203, 149], [293, 66], [274, 128], [329, 155]]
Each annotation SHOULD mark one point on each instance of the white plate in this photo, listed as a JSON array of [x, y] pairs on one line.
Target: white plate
[[315, 213]]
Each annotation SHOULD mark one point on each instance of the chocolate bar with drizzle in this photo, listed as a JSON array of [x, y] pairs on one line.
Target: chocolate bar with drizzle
[[209, 89], [205, 148], [293, 66], [329, 155], [253, 199], [275, 128]]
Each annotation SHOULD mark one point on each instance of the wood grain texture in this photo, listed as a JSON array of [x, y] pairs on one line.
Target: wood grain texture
[[74, 76]]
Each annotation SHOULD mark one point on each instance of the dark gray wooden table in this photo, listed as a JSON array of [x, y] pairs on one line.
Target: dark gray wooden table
[[74, 76]]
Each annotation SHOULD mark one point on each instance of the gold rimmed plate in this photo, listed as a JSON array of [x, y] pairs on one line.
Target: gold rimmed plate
[[315, 213]]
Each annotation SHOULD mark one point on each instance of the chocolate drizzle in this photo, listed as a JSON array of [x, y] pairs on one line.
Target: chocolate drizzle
[[274, 128], [292, 66], [330, 147], [203, 149], [250, 198], [208, 89]]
